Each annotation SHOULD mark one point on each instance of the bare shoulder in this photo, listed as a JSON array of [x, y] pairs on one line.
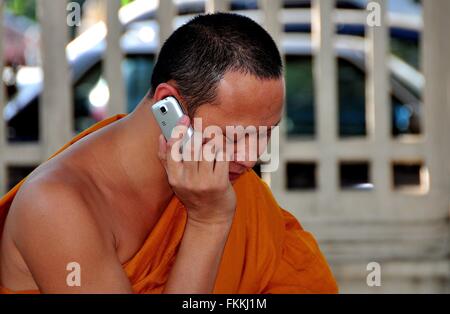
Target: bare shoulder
[[52, 227], [50, 203]]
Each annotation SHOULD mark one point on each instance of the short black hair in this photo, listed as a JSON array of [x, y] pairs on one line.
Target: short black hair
[[199, 53]]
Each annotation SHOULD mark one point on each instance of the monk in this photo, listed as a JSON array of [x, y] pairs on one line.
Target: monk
[[113, 212]]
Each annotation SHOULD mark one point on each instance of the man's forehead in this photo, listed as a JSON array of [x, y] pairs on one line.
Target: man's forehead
[[235, 117], [237, 86], [247, 98]]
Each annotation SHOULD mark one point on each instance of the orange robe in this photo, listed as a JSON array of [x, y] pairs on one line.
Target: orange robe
[[267, 250]]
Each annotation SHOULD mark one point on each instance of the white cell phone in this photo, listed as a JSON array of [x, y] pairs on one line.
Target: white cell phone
[[168, 112]]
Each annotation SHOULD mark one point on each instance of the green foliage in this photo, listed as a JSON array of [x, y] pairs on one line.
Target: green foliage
[[22, 7], [125, 2]]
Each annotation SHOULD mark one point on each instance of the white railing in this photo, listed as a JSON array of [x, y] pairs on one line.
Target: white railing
[[351, 225], [382, 212]]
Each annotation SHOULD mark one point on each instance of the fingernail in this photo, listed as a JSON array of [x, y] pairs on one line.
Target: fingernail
[[184, 119]]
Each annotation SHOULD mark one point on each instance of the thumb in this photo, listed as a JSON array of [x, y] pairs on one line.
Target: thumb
[[162, 148]]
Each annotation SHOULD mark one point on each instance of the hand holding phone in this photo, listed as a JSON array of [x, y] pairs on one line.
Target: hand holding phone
[[168, 113], [203, 186]]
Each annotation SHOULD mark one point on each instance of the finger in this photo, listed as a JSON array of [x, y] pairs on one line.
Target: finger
[[206, 165], [162, 150], [173, 151], [229, 148], [174, 158], [192, 153], [179, 129], [221, 167]]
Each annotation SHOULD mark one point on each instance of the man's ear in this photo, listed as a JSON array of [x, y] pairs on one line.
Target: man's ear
[[169, 88]]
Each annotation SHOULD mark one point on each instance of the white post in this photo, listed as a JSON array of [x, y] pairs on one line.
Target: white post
[[325, 97], [113, 60], [3, 172], [436, 69], [378, 108], [56, 109], [165, 15], [212, 6], [271, 11]]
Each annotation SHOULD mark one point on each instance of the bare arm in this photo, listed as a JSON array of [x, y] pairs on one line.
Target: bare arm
[[54, 231], [198, 258]]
